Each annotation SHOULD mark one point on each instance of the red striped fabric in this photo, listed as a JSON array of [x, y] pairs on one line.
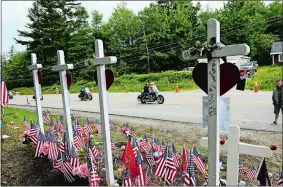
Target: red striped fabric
[[5, 97]]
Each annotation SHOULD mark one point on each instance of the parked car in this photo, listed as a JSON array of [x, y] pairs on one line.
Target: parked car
[[251, 67]]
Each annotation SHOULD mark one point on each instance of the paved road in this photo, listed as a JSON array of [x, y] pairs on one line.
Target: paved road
[[248, 110]]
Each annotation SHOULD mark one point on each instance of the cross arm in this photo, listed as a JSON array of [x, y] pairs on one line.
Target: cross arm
[[35, 67], [62, 67], [106, 60], [248, 149], [229, 50]]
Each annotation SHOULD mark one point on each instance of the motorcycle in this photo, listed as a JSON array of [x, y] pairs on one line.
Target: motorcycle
[[85, 95], [10, 95], [151, 98]]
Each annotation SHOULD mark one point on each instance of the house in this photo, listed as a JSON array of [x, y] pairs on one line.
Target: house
[[237, 60], [276, 52]]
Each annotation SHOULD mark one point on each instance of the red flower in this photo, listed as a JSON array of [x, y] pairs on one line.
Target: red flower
[[273, 147], [222, 142]]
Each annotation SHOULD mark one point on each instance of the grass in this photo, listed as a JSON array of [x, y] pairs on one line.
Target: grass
[[20, 168], [165, 81], [265, 77]]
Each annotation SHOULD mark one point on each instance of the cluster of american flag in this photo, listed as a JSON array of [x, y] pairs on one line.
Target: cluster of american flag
[[162, 161], [55, 146]]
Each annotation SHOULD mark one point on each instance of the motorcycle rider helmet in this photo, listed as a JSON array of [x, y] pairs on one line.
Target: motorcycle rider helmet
[[152, 83]]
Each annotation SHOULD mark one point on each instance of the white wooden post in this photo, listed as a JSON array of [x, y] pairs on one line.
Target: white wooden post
[[100, 63], [34, 68], [213, 31], [62, 67], [234, 148]]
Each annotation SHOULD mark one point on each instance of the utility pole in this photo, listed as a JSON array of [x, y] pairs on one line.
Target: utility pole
[[146, 46]]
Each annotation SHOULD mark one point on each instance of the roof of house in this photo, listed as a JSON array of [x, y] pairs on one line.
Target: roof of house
[[276, 48]]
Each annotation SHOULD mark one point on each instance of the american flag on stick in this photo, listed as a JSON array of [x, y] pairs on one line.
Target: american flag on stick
[[125, 130], [60, 126], [78, 142], [243, 170], [160, 169], [198, 161], [46, 117], [151, 132], [141, 176], [280, 181], [251, 172], [53, 148], [33, 133], [97, 126], [26, 124], [87, 127], [171, 170], [150, 158], [58, 162], [155, 144], [148, 176], [79, 127], [175, 156], [127, 178], [40, 142], [190, 174], [93, 177], [145, 145], [95, 152], [163, 146], [66, 168], [4, 93], [74, 160], [64, 144]]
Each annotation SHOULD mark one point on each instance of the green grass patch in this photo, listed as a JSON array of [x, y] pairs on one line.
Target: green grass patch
[[265, 77], [165, 81]]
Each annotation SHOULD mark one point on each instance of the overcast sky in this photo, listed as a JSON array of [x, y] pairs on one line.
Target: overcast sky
[[14, 15]]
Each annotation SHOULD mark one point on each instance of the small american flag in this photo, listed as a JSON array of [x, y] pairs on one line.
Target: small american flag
[[78, 142], [26, 124], [66, 168], [95, 152], [163, 146], [175, 156], [198, 161], [98, 127], [145, 145], [40, 142], [280, 181], [125, 130], [87, 127], [190, 174], [132, 132], [150, 159], [160, 168], [93, 177], [127, 178], [141, 176], [33, 134], [243, 170], [171, 170], [53, 148], [252, 171], [46, 117], [155, 144], [60, 126], [4, 93], [79, 127], [113, 146], [74, 160], [148, 176], [64, 144], [58, 162]]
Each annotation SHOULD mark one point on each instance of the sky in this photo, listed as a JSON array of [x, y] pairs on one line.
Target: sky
[[14, 16]]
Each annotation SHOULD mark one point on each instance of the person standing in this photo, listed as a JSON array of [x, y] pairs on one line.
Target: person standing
[[277, 99]]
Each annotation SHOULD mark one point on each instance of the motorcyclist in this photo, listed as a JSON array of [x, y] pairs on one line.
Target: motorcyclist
[[153, 89], [146, 90], [83, 92]]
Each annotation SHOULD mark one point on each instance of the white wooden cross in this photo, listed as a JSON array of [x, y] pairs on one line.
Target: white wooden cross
[[213, 31], [62, 67], [34, 68], [100, 62], [234, 148]]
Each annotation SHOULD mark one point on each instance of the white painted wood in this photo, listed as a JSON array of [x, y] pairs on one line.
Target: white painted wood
[[61, 67], [234, 148], [228, 50], [34, 68], [213, 67], [100, 61]]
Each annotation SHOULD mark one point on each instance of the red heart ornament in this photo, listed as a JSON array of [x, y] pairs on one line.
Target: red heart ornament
[[109, 78], [69, 80], [229, 76], [39, 74]]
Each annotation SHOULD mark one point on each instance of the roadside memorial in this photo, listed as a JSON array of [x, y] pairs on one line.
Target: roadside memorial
[[234, 147], [65, 84], [215, 80], [37, 76], [100, 63]]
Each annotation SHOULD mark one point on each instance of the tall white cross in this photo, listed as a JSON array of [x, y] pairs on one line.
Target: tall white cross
[[100, 62], [213, 66], [234, 148], [34, 68], [62, 67]]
